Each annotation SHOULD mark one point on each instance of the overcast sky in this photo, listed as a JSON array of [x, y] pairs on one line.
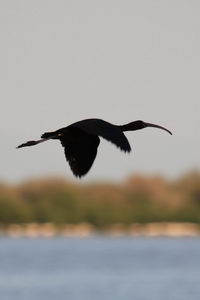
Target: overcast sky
[[62, 61]]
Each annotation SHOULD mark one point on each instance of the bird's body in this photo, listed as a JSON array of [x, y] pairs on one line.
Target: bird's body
[[81, 140]]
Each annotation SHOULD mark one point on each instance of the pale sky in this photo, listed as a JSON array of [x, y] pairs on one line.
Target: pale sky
[[63, 61]]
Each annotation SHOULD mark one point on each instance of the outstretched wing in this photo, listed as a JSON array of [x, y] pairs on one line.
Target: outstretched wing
[[80, 150], [106, 130]]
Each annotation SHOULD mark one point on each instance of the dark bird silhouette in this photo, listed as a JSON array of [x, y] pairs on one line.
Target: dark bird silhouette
[[81, 140]]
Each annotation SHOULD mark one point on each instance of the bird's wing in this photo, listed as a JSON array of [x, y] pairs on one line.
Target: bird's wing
[[80, 151], [106, 130]]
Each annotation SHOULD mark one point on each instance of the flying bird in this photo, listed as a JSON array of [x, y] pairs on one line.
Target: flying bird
[[81, 140]]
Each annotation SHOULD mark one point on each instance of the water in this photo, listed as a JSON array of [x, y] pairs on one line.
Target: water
[[100, 269]]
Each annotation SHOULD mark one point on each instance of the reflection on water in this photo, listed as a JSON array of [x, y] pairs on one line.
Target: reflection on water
[[100, 268]]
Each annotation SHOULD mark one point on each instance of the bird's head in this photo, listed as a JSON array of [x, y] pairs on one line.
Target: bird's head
[[139, 124]]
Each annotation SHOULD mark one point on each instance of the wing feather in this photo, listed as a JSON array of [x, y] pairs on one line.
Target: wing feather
[[80, 150], [108, 131]]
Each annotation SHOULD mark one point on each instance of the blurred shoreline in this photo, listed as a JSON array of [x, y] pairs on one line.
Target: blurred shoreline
[[85, 230], [139, 206]]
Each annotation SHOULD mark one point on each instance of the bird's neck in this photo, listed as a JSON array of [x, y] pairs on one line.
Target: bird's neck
[[136, 125]]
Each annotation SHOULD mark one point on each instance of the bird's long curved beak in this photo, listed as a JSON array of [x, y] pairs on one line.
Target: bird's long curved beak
[[157, 126]]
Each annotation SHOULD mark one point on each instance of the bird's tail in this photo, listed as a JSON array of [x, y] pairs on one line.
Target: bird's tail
[[48, 135]]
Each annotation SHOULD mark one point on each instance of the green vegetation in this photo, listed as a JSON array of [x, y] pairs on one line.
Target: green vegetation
[[139, 199]]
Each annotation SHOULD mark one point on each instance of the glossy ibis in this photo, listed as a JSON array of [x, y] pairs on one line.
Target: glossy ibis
[[81, 140]]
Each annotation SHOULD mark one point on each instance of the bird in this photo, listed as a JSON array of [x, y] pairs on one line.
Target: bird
[[81, 140]]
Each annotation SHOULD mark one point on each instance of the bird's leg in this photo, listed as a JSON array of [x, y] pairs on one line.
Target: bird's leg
[[33, 143]]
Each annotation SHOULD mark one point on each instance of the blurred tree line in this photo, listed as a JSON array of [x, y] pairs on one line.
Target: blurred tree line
[[139, 199]]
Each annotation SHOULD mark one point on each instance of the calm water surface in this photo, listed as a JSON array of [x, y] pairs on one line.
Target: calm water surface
[[100, 269]]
